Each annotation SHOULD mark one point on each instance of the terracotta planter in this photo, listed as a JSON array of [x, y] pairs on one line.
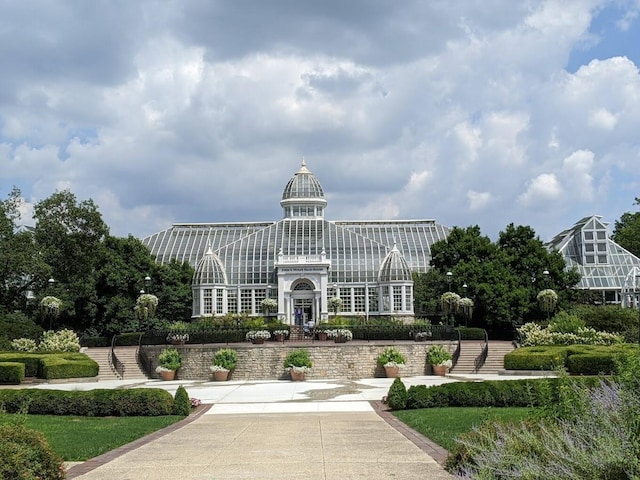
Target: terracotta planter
[[296, 376], [340, 339], [322, 336], [177, 342], [168, 375], [280, 337], [419, 339], [392, 372], [221, 375], [440, 370], [257, 341]]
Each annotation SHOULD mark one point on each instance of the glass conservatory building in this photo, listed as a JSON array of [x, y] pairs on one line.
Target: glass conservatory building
[[301, 260], [603, 265]]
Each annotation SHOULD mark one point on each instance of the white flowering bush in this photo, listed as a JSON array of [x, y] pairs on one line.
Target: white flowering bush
[[61, 341], [335, 304], [284, 332], [340, 332], [253, 334], [24, 345], [533, 335]]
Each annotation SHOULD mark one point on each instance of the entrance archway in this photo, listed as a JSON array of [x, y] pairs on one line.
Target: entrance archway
[[303, 297]]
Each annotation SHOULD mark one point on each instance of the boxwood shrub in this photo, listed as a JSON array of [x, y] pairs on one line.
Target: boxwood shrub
[[25, 453], [95, 342], [536, 358], [493, 393], [11, 373], [577, 359], [30, 361], [92, 403], [67, 365], [467, 333]]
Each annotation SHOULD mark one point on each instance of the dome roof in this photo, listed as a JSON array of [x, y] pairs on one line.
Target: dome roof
[[303, 184], [394, 268], [209, 270]]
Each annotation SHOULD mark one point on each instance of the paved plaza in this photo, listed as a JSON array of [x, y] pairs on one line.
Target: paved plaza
[[274, 429]]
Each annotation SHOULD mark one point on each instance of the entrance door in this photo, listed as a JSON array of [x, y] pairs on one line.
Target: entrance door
[[303, 310]]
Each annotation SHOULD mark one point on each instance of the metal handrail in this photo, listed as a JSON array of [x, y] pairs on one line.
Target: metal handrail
[[116, 365], [456, 353], [482, 358]]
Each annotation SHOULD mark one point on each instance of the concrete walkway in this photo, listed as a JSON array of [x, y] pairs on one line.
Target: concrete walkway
[[278, 430]]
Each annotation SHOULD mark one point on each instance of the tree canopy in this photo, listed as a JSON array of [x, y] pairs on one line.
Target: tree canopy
[[627, 231]]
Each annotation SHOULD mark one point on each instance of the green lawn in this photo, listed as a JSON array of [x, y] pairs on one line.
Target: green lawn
[[443, 425], [80, 438]]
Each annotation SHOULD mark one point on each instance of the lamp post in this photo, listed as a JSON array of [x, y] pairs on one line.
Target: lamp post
[[449, 277], [51, 283], [147, 283]]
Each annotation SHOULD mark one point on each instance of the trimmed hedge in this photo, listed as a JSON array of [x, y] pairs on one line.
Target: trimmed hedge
[[492, 393], [53, 365], [144, 402], [128, 339], [31, 361], [577, 359], [11, 373], [468, 333], [64, 365], [95, 342]]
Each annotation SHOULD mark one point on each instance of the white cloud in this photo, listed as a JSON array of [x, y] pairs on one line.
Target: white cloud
[[542, 189], [478, 200]]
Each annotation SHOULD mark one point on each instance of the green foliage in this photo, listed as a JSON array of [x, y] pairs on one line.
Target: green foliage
[[547, 300], [536, 358], [397, 395], [31, 361], [391, 355], [438, 354], [170, 359], [471, 333], [335, 304], [92, 403], [609, 318], [494, 393], [627, 231], [226, 358], [181, 402], [564, 322], [297, 358], [11, 373], [67, 366], [503, 279], [26, 454], [17, 325]]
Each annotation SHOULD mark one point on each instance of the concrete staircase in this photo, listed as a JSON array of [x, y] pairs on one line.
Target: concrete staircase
[[470, 350], [127, 355]]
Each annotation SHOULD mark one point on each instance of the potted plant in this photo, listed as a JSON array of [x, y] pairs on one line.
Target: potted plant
[[170, 361], [391, 360], [440, 359], [321, 332], [258, 336], [178, 333], [297, 363], [280, 335], [340, 335], [224, 360]]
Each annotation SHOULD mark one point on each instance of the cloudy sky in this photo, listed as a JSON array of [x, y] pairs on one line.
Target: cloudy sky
[[471, 112]]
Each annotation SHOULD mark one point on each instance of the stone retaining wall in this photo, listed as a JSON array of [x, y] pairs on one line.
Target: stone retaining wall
[[352, 360]]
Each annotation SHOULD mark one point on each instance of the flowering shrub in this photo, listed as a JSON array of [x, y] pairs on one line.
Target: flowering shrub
[[253, 334], [335, 304], [533, 335], [281, 332], [340, 332], [24, 345], [302, 369], [61, 341], [422, 335]]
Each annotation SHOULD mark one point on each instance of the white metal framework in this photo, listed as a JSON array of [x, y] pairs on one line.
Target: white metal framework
[[302, 260]]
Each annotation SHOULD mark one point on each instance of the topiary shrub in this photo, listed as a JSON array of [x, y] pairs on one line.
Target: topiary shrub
[[397, 395], [92, 403], [591, 364], [11, 373], [67, 365], [181, 402], [26, 454]]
